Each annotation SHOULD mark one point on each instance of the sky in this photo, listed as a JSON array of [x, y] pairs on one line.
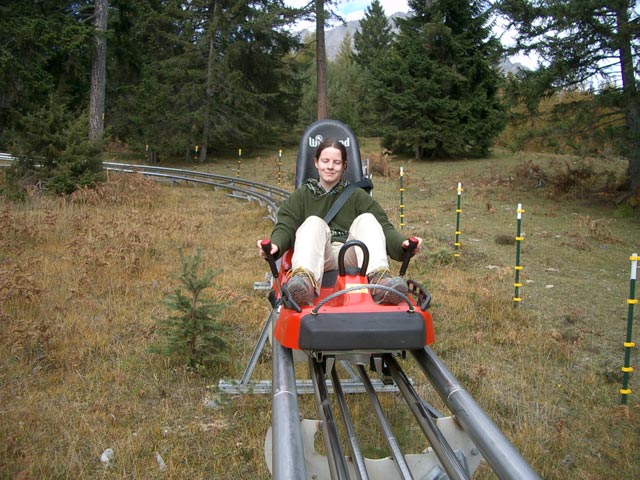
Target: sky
[[354, 10]]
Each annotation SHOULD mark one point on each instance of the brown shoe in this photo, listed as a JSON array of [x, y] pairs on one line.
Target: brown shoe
[[301, 287], [384, 278]]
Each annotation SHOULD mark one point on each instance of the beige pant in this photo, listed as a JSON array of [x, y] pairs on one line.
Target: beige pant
[[314, 251]]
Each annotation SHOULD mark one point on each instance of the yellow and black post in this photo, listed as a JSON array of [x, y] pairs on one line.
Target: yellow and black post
[[625, 391], [401, 198], [239, 158], [517, 284], [279, 166], [457, 243]]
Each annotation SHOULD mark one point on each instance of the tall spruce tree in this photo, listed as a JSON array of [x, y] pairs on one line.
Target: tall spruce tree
[[592, 45], [439, 84], [44, 52], [371, 44], [213, 71], [345, 87]]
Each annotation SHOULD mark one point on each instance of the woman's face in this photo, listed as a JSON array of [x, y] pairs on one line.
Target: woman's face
[[330, 167]]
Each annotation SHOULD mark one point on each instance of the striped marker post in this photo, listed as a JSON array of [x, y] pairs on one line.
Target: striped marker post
[[518, 267], [279, 166], [401, 198], [239, 158], [457, 244], [625, 391]]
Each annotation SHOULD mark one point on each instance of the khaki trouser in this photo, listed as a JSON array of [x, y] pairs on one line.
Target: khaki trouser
[[314, 251]]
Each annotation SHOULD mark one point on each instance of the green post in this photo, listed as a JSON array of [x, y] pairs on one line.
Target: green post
[[517, 284], [401, 198], [239, 157], [458, 232], [625, 391]]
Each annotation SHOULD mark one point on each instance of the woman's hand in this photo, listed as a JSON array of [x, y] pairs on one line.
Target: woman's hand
[[274, 248], [405, 244]]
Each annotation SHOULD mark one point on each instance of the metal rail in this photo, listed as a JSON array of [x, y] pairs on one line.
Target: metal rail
[[497, 450], [264, 194]]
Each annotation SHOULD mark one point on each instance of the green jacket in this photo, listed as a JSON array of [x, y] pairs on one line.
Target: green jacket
[[311, 199]]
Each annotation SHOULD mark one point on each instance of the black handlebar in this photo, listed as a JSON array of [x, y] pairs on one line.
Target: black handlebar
[[408, 253], [266, 248]]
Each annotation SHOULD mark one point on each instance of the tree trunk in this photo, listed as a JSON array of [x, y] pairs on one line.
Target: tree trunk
[[631, 97], [321, 58], [202, 156], [98, 72]]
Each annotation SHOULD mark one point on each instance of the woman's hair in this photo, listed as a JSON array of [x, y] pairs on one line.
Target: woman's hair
[[332, 142]]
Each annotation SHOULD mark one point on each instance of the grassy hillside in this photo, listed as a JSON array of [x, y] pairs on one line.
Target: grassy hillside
[[82, 283]]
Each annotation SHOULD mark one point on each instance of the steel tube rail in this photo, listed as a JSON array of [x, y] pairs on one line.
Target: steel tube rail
[[272, 205], [505, 460], [275, 192], [248, 371], [396, 453], [288, 453], [438, 442], [358, 457], [335, 456]]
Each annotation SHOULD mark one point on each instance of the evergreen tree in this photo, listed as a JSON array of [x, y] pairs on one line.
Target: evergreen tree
[[439, 84], [374, 38], [372, 44], [585, 44], [44, 51], [98, 72], [222, 72], [54, 151], [307, 65], [192, 332], [345, 87]]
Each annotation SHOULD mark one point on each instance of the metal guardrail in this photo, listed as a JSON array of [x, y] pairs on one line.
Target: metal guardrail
[[265, 195], [6, 157]]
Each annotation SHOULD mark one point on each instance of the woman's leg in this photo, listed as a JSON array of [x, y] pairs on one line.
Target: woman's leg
[[367, 229], [312, 249]]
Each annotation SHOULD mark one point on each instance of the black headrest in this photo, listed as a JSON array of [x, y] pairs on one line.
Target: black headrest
[[316, 133]]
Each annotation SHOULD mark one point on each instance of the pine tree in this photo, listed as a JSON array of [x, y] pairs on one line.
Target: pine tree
[[43, 53], [193, 333], [374, 38], [439, 84], [372, 44], [345, 87], [219, 72], [590, 45]]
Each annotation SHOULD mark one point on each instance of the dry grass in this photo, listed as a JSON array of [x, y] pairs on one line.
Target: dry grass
[[81, 284]]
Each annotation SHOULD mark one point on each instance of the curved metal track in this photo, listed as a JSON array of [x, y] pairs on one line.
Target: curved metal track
[[266, 195]]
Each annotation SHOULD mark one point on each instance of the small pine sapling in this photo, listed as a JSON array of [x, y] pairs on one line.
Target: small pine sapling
[[192, 333]]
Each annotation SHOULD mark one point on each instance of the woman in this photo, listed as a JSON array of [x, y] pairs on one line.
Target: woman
[[316, 245]]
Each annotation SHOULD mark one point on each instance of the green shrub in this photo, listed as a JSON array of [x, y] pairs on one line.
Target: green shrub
[[54, 152], [192, 333]]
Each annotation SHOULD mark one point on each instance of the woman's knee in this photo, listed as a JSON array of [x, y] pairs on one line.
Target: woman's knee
[[366, 220], [314, 224]]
